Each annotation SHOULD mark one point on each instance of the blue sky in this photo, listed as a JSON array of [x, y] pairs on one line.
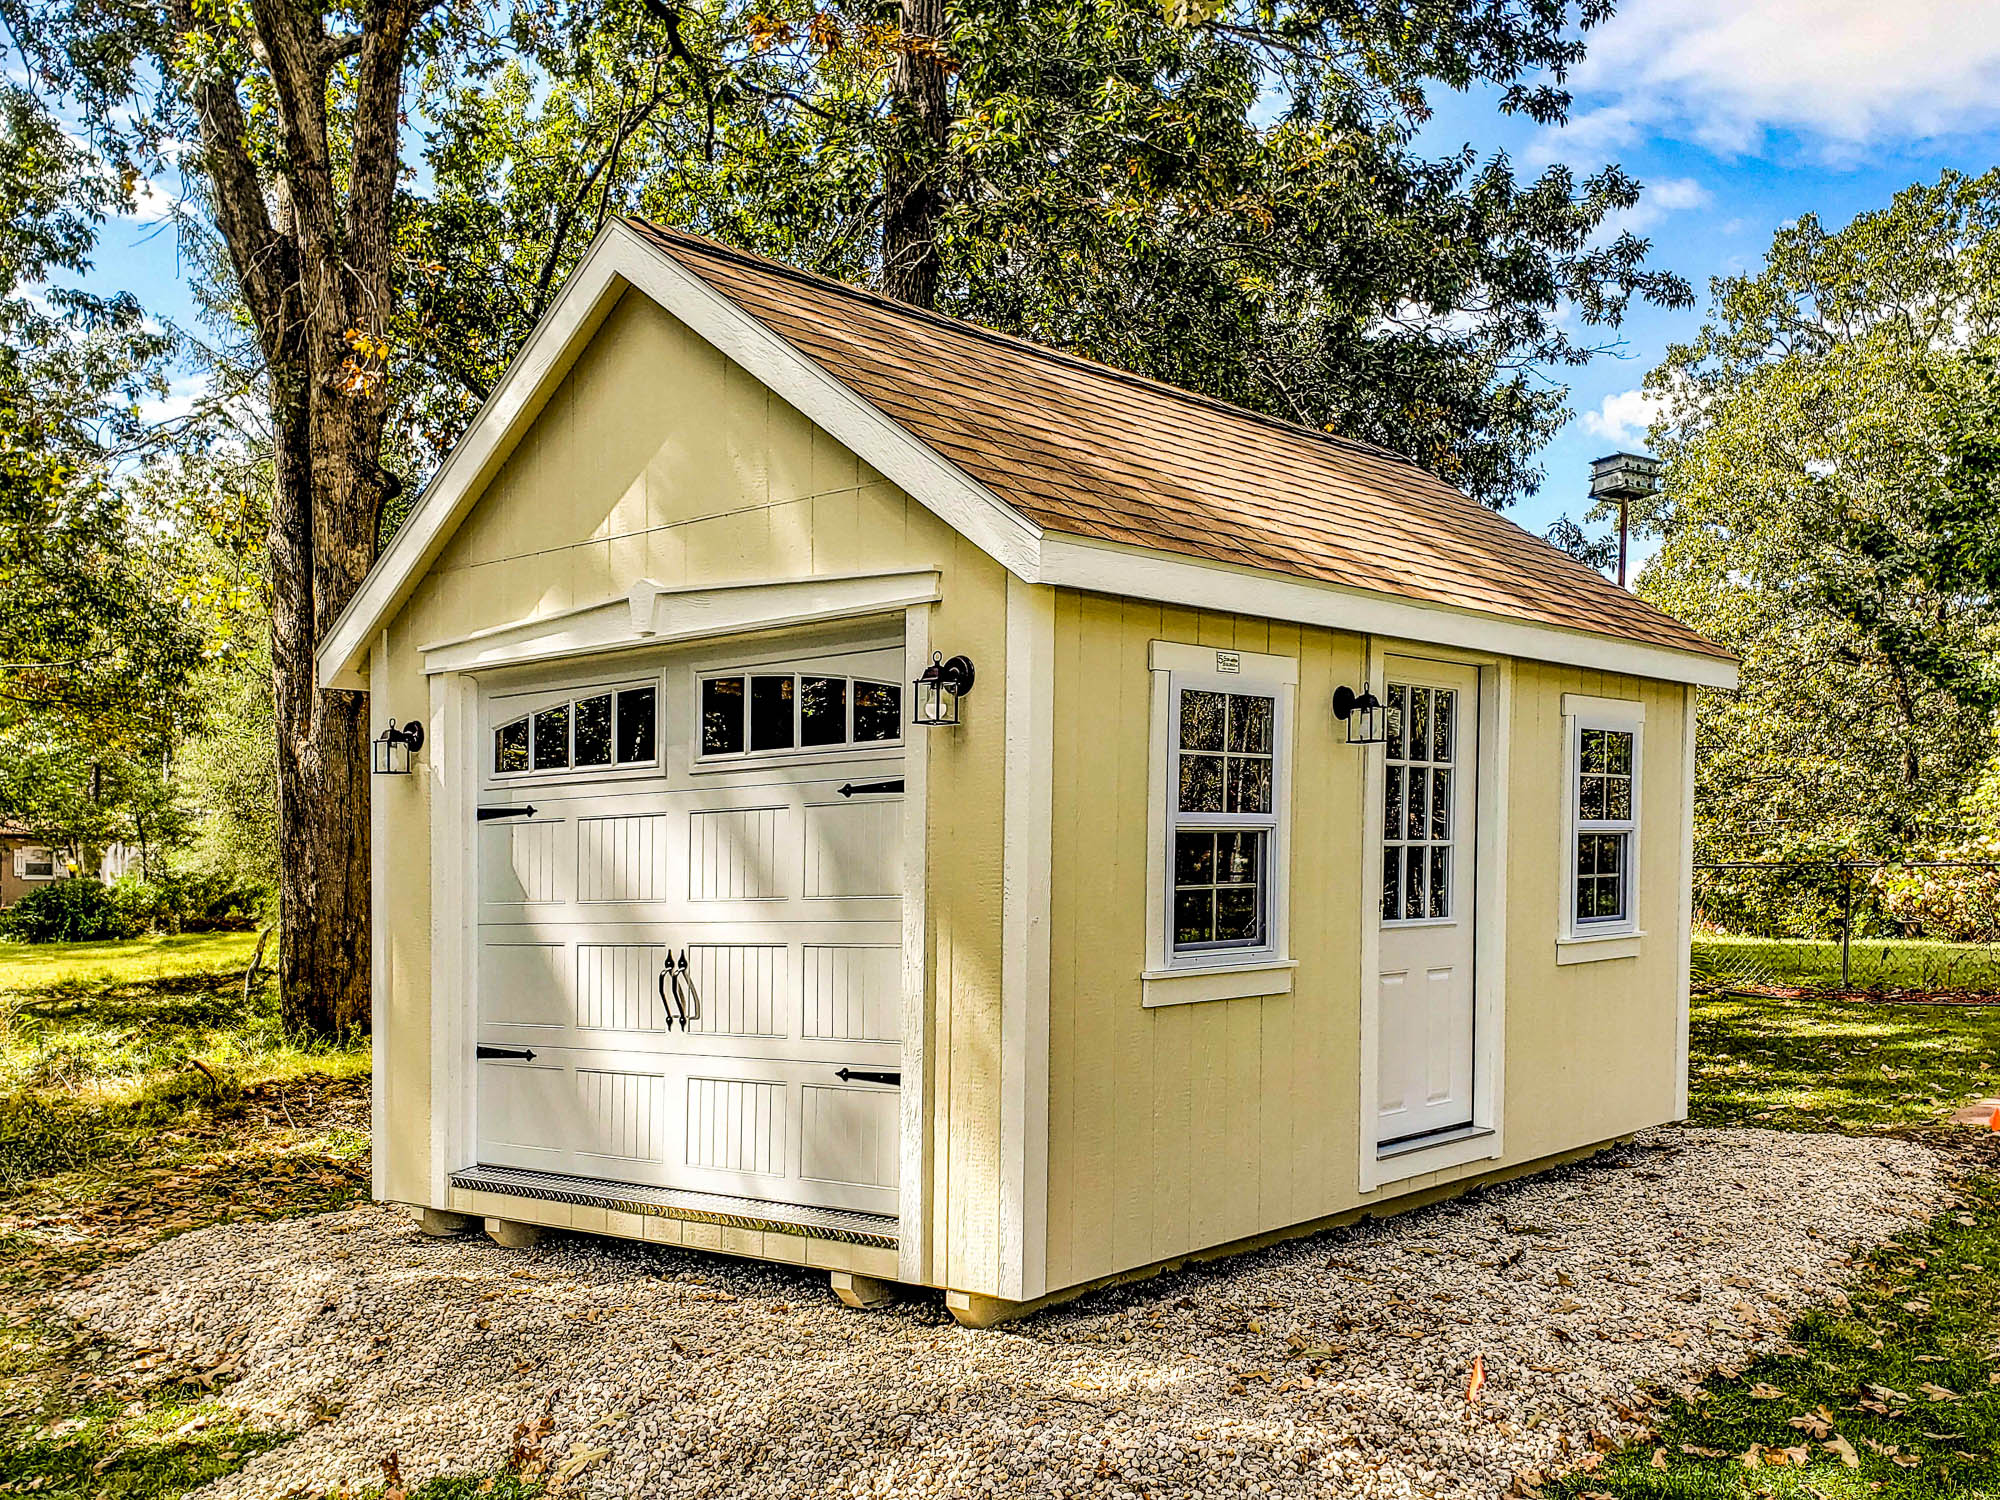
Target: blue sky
[[1738, 115]]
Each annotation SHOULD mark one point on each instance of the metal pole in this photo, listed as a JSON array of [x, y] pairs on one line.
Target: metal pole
[[1624, 515], [1846, 918]]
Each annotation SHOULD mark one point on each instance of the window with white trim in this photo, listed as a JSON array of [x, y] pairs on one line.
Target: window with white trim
[[610, 729], [742, 713], [1603, 792], [1222, 817], [35, 864]]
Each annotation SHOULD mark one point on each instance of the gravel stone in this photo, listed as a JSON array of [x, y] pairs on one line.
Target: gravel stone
[[1331, 1365]]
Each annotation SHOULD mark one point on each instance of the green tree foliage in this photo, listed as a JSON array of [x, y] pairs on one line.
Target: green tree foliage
[[1828, 513], [1229, 198]]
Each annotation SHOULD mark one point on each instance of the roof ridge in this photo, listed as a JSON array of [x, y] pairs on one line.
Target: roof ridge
[[966, 326]]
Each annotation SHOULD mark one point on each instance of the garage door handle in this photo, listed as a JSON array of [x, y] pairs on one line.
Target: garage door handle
[[851, 789], [517, 1054], [861, 1075], [487, 814]]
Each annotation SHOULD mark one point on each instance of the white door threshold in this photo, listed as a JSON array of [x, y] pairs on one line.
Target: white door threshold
[[1426, 1142], [848, 1226]]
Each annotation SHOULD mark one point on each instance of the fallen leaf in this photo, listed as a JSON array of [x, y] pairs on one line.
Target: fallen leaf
[[1938, 1392], [1659, 1458], [1816, 1423], [1765, 1392], [1843, 1449]]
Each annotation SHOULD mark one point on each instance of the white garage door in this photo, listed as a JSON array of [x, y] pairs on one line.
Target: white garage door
[[690, 915]]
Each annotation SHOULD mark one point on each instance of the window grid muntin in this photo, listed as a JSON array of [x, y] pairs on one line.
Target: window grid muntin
[[855, 689], [1419, 801], [1246, 753], [566, 709], [1603, 778]]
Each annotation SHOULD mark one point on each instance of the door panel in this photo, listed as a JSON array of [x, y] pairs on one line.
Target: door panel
[[785, 898], [1424, 1034]]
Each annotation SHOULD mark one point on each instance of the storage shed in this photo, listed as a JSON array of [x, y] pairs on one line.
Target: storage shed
[[689, 927]]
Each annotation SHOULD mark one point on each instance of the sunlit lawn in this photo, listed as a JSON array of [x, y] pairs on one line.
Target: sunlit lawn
[[41, 966], [1833, 1064], [1873, 963]]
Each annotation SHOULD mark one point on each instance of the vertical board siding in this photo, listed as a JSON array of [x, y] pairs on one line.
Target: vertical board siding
[[1188, 1126], [854, 848]]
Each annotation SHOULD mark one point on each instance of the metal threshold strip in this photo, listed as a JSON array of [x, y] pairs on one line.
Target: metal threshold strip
[[845, 1225]]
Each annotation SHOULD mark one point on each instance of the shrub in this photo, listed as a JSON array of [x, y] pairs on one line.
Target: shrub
[[76, 910], [188, 903]]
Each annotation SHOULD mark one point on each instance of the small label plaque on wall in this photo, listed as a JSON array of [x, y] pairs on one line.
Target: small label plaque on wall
[[1228, 661]]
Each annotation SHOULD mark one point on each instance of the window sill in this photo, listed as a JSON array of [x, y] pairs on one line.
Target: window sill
[[1595, 949], [1159, 987]]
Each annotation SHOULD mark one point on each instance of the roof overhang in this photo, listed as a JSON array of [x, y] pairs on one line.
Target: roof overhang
[[619, 259]]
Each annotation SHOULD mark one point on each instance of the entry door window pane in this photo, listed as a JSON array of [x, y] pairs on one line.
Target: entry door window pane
[[1419, 787]]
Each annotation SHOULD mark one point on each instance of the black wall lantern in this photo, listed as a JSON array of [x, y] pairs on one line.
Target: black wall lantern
[[394, 747], [939, 689], [1362, 713]]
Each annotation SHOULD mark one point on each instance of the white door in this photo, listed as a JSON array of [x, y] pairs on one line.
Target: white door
[[737, 860], [1425, 1016]]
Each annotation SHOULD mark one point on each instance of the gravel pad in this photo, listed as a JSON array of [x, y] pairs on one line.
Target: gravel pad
[[1333, 1365]]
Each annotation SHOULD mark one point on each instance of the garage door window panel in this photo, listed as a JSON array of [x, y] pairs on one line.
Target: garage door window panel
[[745, 715]]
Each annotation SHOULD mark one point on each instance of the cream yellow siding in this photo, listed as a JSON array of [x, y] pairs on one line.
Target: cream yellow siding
[[1184, 1127], [656, 458]]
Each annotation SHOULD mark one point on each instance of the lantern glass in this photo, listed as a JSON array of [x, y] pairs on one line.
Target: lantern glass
[[391, 750], [1366, 720], [939, 690]]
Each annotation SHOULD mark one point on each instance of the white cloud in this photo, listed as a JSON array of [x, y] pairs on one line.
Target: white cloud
[[1674, 195], [1622, 419], [149, 204], [179, 400], [1843, 73]]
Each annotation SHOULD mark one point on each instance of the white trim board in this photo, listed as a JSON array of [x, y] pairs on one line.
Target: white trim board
[[653, 614], [621, 258]]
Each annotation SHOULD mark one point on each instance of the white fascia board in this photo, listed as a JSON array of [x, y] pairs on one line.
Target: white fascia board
[[618, 258], [1072, 562]]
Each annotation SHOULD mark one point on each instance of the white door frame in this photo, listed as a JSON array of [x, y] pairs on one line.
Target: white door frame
[[454, 757], [1486, 1140]]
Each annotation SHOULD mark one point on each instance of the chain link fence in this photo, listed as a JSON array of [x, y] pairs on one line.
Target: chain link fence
[[1908, 928]]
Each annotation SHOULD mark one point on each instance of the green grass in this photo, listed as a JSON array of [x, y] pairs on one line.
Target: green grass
[[1901, 1373], [142, 1094], [1899, 965], [46, 966], [1834, 1064]]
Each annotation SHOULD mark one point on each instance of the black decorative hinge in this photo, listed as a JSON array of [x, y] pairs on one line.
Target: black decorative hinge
[[515, 1054], [487, 814], [850, 789], [862, 1075]]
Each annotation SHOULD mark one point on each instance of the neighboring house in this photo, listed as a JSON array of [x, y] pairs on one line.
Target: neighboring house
[[1141, 959], [26, 863]]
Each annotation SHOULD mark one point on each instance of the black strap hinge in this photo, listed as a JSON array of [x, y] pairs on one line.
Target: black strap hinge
[[515, 1054], [863, 1075], [853, 788], [487, 814]]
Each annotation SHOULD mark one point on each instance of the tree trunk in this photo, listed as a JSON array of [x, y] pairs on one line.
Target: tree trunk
[[323, 947], [913, 167]]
